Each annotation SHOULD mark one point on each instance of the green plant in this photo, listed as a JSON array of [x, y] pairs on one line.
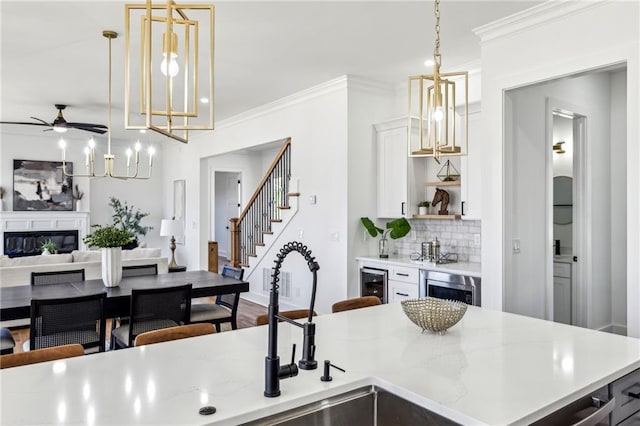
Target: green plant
[[1, 193], [396, 228], [49, 246], [424, 204], [127, 218], [107, 236]]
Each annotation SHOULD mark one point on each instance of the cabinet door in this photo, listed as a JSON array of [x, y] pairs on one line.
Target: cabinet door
[[471, 167], [392, 170], [562, 300], [399, 291]]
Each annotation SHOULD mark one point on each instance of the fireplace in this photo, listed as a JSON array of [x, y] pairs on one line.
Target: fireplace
[[22, 233], [18, 244]]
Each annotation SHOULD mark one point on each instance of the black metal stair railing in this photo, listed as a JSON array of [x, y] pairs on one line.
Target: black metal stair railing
[[264, 208]]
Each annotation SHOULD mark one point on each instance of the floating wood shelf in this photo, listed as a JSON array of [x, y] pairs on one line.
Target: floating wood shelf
[[446, 183], [437, 216]]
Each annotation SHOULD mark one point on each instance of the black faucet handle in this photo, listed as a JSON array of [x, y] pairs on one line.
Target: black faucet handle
[[289, 370]]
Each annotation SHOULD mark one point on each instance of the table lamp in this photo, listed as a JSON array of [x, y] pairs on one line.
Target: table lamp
[[172, 228]]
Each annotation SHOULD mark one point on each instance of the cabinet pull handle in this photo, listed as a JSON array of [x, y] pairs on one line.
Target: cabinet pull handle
[[402, 208], [635, 395], [402, 294], [402, 275]]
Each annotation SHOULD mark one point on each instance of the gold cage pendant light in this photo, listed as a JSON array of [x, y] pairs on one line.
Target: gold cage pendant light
[[169, 67], [438, 104]]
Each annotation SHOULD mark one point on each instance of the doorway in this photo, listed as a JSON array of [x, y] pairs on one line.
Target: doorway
[[227, 195], [595, 294]]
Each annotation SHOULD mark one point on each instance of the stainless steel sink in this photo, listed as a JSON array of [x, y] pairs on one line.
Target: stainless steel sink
[[370, 405]]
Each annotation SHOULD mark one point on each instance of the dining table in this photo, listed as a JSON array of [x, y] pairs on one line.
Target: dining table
[[15, 301]]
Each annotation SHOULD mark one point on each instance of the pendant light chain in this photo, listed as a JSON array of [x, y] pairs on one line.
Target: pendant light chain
[[436, 52]]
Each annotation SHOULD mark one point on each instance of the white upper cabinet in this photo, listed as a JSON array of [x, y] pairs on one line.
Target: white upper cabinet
[[398, 175], [471, 167]]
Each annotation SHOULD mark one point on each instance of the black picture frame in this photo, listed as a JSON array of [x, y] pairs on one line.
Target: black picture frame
[[41, 186]]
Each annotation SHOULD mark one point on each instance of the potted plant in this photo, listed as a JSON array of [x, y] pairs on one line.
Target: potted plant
[[128, 219], [422, 207], [48, 247], [1, 197], [77, 195], [395, 229], [110, 240]]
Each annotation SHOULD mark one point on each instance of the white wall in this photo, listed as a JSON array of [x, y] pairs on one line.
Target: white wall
[[316, 120], [516, 53]]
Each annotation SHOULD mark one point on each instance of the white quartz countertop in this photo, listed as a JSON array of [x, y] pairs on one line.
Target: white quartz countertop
[[461, 268], [490, 368]]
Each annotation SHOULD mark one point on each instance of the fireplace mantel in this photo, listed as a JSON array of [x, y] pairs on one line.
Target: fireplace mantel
[[44, 221]]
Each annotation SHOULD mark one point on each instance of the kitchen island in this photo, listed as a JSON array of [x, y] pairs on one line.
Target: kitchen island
[[490, 368]]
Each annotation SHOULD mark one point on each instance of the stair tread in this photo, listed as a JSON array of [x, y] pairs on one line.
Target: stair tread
[[284, 207], [293, 194], [276, 220], [267, 232]]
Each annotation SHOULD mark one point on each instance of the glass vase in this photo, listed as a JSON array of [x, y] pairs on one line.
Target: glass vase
[[383, 248]]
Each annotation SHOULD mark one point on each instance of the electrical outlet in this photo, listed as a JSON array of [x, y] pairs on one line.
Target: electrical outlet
[[334, 236], [476, 239], [300, 233], [413, 235]]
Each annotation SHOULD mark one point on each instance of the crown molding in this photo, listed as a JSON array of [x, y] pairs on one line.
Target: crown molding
[[545, 12]]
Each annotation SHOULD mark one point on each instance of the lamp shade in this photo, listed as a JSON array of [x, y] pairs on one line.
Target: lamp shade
[[169, 227]]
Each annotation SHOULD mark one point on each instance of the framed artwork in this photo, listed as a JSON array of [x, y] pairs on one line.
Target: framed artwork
[[40, 185], [178, 204]]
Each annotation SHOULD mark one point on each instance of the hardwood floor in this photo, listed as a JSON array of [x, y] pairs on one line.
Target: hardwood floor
[[247, 313]]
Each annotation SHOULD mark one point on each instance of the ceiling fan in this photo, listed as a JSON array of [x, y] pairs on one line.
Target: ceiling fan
[[61, 125]]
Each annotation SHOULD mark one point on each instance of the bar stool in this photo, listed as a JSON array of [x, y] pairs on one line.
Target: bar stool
[[7, 342]]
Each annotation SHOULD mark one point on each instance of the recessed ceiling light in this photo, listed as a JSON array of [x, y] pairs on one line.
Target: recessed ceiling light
[[204, 100], [429, 63]]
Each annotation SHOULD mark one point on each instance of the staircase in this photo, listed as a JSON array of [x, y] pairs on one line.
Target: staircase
[[266, 208]]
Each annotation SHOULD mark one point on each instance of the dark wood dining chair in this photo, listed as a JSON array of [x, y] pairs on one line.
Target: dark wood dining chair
[[174, 333], [61, 321], [132, 271], [57, 277], [355, 303], [293, 314], [7, 342], [225, 309], [153, 309], [41, 355]]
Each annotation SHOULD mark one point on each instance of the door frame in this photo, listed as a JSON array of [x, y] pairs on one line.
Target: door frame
[[581, 280]]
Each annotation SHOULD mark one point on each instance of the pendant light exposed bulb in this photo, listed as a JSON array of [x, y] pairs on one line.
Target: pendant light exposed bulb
[[169, 65]]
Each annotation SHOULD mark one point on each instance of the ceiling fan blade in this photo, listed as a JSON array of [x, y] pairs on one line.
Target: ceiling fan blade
[[42, 121], [25, 122], [83, 125]]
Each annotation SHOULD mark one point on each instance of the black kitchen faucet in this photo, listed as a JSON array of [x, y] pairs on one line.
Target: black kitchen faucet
[[273, 371]]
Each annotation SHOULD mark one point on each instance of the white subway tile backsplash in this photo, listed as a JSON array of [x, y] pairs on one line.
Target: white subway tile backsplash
[[455, 237]]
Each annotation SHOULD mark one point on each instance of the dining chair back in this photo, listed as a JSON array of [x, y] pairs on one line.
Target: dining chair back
[[294, 314], [225, 309], [41, 355], [139, 270], [356, 303], [57, 277], [152, 309], [7, 342], [61, 321], [174, 333]]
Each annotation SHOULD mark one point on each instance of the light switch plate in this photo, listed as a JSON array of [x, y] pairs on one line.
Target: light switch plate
[[516, 245], [476, 239]]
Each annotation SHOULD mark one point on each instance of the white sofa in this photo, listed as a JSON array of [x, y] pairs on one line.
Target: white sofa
[[17, 271]]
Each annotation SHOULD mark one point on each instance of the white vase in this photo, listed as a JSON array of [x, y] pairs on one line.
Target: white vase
[[111, 266], [1, 205], [78, 205], [422, 211]]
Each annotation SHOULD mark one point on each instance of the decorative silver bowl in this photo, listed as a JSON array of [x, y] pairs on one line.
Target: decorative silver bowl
[[435, 315]]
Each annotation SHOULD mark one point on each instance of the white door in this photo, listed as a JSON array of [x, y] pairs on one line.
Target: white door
[[227, 193]]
